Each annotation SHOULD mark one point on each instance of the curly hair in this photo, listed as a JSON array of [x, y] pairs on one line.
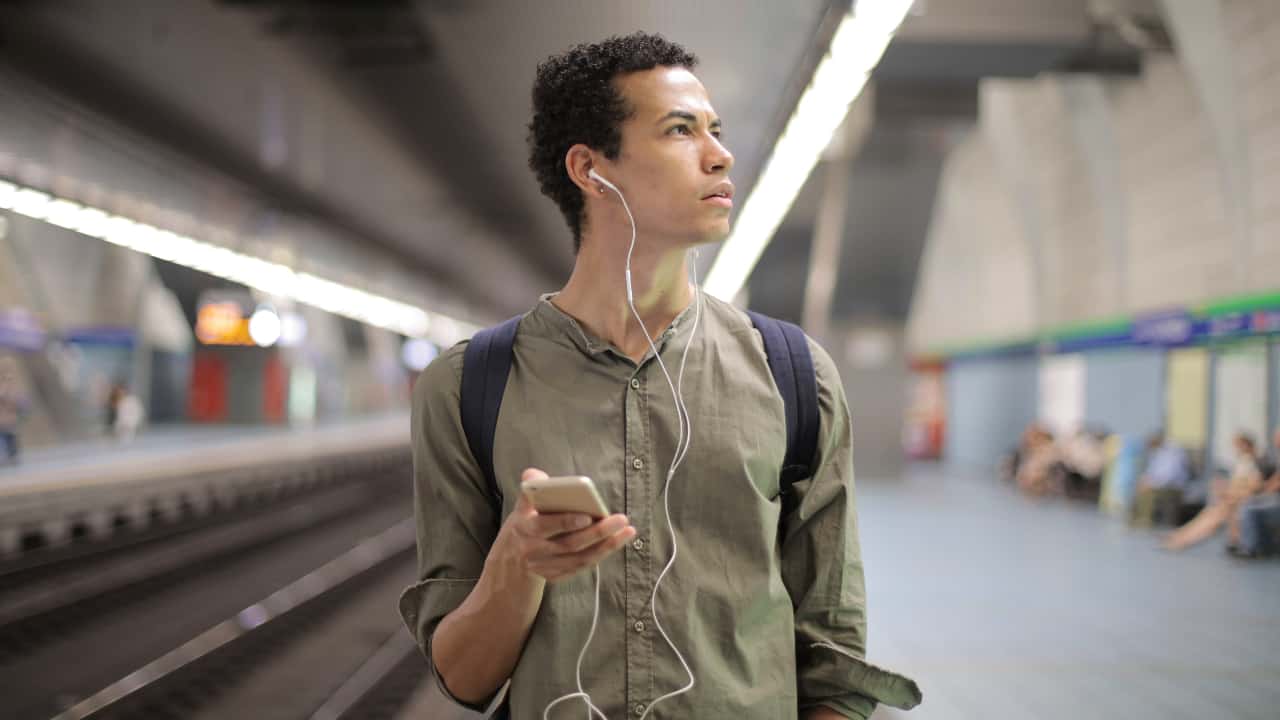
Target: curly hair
[[575, 101]]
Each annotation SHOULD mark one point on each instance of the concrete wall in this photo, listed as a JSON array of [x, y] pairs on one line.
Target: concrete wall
[[1077, 198]]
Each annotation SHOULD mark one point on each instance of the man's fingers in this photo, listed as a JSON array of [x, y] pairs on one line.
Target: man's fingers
[[523, 506], [553, 524], [532, 474], [559, 566], [584, 538]]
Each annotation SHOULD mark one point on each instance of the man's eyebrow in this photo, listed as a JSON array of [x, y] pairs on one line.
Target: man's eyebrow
[[685, 115]]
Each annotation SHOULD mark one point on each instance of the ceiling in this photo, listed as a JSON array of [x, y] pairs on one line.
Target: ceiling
[[422, 108]]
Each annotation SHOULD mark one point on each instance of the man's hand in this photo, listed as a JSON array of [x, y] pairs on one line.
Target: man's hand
[[557, 546]]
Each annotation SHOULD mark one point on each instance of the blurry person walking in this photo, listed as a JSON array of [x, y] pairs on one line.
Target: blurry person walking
[[12, 406]]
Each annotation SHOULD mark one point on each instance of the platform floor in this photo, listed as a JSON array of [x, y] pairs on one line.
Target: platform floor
[[1004, 607]]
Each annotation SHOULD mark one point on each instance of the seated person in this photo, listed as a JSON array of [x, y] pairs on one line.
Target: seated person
[[1256, 530], [1083, 462], [1010, 464], [1039, 458], [1160, 487], [1225, 500]]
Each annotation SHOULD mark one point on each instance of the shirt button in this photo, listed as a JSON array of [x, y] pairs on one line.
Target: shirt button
[[639, 709], [635, 384], [638, 544], [637, 463], [639, 626]]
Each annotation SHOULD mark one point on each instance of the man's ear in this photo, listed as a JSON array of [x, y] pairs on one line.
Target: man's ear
[[578, 162]]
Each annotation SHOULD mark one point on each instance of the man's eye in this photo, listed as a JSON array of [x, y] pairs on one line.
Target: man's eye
[[679, 129]]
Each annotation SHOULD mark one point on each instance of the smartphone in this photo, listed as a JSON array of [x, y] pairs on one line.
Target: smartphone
[[569, 494]]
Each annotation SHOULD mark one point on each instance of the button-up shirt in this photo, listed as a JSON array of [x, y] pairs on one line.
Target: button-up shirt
[[769, 611]]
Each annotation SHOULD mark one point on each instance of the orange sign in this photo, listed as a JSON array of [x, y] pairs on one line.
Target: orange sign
[[222, 323]]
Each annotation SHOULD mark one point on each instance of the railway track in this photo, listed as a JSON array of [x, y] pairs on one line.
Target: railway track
[[74, 626], [327, 645]]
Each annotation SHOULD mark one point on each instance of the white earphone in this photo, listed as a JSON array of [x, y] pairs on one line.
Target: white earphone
[[596, 176], [682, 449]]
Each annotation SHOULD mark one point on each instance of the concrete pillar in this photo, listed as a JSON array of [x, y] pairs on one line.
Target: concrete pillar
[[1005, 134], [1091, 124], [1200, 36]]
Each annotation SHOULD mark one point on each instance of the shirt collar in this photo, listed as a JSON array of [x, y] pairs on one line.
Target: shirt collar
[[561, 324]]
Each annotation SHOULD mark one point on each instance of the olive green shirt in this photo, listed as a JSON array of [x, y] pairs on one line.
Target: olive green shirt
[[750, 592]]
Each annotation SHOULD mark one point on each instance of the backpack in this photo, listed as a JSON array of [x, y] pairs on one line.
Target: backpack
[[487, 362]]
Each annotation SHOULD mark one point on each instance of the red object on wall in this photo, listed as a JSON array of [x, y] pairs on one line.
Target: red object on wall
[[208, 399], [926, 417], [274, 387]]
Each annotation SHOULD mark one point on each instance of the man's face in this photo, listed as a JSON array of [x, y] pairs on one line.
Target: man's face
[[671, 159]]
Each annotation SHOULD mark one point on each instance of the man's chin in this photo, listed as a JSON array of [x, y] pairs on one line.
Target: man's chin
[[715, 235]]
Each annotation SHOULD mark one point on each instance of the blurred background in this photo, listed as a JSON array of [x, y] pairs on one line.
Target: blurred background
[[1041, 239]]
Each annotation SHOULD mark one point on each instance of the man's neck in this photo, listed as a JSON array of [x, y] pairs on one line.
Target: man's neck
[[596, 294]]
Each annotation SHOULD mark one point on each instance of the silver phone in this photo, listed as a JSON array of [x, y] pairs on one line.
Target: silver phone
[[566, 494]]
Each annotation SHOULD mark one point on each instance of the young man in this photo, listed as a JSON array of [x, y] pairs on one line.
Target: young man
[[767, 609]]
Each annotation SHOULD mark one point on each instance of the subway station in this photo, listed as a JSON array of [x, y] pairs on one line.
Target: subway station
[[751, 360]]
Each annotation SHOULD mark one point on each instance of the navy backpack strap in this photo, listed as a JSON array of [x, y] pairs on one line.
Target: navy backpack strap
[[787, 350], [486, 362]]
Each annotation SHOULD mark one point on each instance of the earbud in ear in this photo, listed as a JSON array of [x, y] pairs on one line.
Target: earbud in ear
[[596, 176]]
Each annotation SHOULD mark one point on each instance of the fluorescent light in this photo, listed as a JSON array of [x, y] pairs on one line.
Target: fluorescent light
[[417, 354], [269, 277], [265, 327], [855, 49], [7, 191]]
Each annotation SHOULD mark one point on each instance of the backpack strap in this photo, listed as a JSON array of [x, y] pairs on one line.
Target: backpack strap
[[486, 362], [787, 351]]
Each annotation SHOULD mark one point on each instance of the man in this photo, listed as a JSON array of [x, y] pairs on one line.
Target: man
[[768, 610], [1160, 487]]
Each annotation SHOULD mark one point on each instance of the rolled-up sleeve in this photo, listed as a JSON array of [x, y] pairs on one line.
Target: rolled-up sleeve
[[822, 570], [455, 523]]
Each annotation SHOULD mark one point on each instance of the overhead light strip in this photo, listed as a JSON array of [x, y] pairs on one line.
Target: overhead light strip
[[855, 50], [269, 277]]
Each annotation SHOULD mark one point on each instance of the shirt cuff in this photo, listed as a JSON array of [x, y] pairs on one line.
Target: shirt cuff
[[422, 606], [851, 685]]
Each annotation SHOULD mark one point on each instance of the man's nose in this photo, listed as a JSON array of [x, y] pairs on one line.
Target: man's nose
[[719, 158]]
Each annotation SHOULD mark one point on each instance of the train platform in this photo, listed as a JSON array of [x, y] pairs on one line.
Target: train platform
[[1009, 608], [182, 445]]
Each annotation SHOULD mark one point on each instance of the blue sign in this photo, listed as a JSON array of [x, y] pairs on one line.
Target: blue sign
[[1229, 325], [1170, 328]]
